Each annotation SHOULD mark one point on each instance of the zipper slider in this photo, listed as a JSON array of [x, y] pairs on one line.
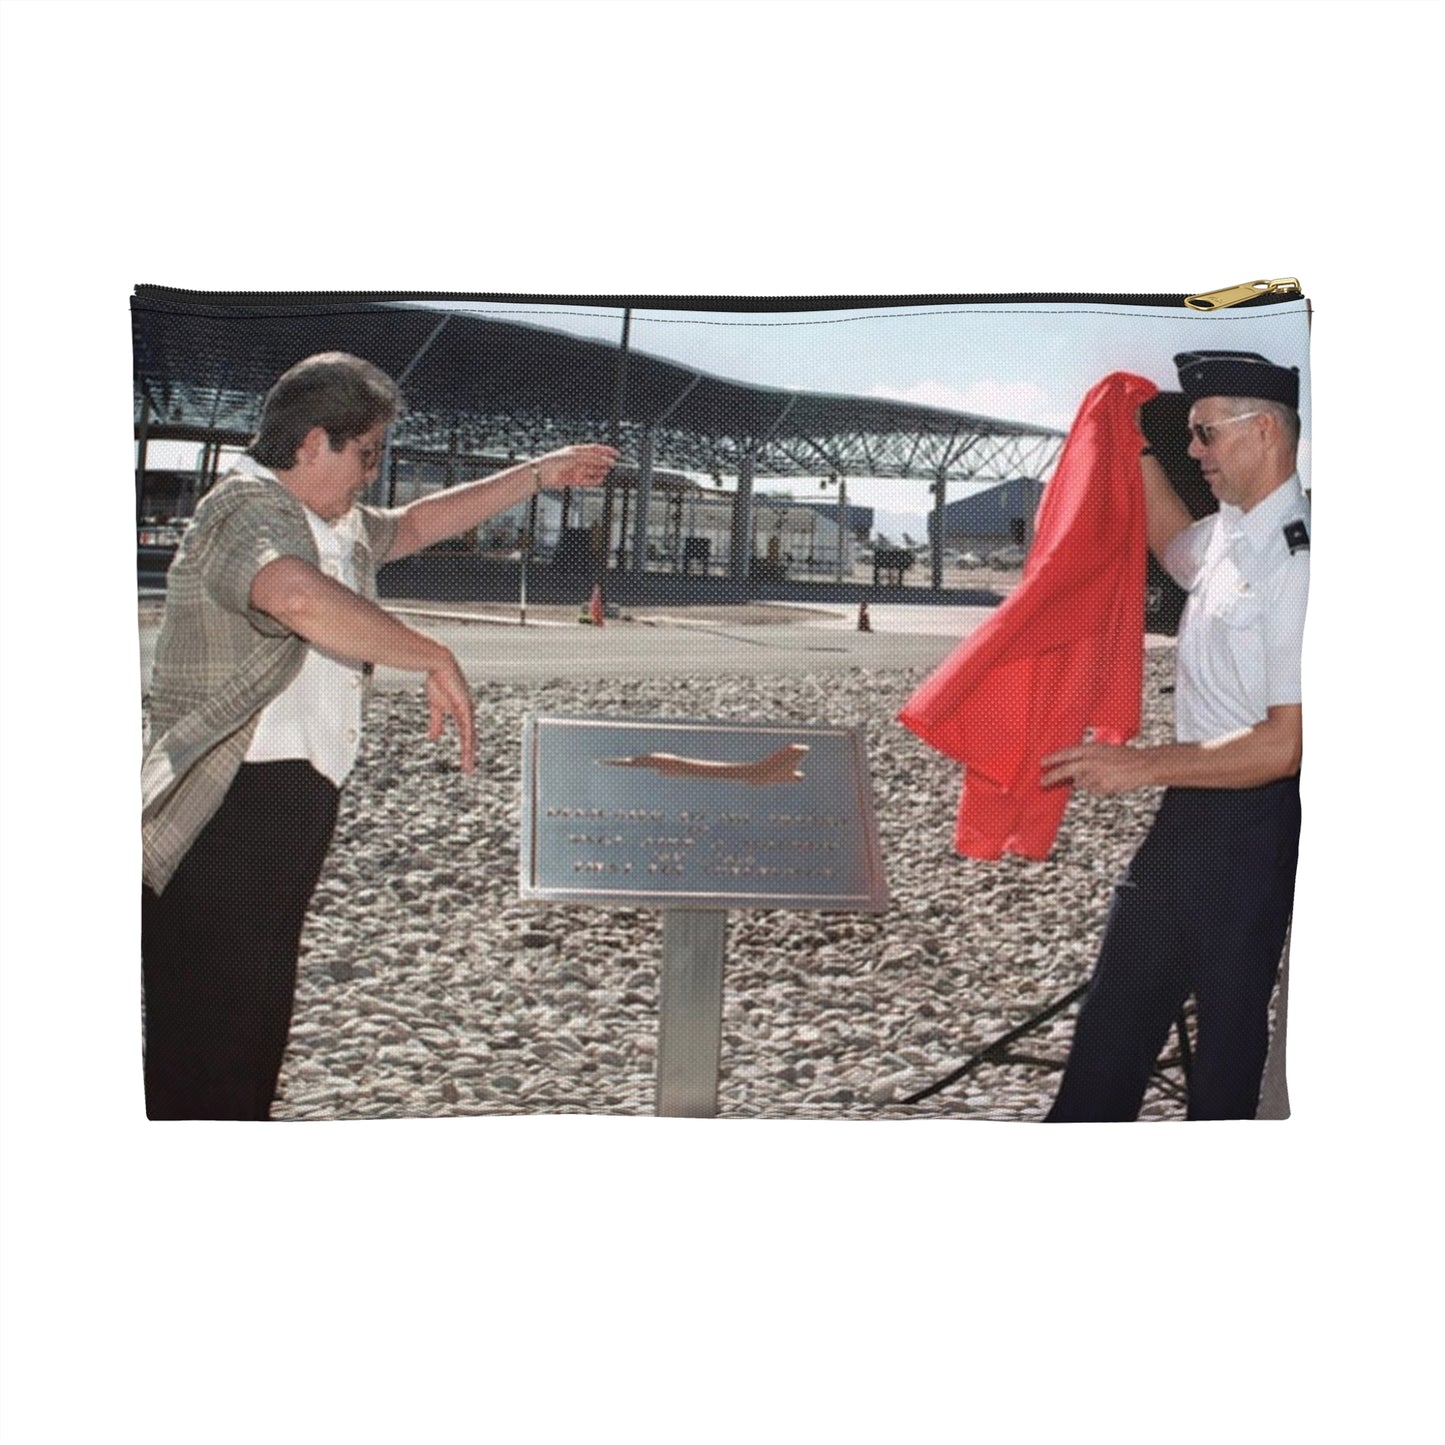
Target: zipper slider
[[1233, 295]]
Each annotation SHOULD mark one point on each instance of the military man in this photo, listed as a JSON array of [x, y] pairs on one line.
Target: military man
[[1205, 903]]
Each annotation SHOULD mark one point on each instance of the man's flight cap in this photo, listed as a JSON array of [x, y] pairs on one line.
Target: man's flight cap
[[1236, 373]]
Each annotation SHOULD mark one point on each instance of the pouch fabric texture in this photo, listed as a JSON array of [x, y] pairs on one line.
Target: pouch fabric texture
[[921, 522]]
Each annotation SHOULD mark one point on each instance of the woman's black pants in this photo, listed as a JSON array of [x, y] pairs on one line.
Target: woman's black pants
[[219, 945]]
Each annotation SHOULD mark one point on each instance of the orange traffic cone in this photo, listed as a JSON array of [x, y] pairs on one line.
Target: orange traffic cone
[[864, 625], [594, 607]]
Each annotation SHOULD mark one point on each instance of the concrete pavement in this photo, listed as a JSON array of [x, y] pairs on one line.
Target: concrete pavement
[[672, 644]]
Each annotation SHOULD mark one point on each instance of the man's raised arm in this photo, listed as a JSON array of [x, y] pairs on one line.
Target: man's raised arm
[[1167, 515]]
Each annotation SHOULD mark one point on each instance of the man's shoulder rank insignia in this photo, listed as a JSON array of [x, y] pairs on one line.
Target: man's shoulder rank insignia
[[1297, 535]]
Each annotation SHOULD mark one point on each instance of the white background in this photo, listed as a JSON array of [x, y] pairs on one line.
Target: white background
[[638, 1280]]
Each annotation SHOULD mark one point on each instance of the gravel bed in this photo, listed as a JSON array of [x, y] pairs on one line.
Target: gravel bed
[[428, 988]]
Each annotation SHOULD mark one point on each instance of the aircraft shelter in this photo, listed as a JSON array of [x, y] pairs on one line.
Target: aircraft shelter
[[481, 391]]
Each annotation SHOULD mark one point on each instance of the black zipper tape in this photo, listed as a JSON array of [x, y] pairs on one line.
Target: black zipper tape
[[242, 300]]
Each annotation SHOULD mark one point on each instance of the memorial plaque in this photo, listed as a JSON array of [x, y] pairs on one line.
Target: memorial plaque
[[700, 815]]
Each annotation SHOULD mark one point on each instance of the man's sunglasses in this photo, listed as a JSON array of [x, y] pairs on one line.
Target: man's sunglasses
[[1203, 432]]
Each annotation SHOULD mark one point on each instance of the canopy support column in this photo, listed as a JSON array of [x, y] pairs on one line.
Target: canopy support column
[[741, 545], [940, 490], [142, 432], [614, 439], [644, 502]]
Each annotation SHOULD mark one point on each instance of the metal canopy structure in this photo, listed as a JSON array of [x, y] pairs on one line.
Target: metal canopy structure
[[477, 385]]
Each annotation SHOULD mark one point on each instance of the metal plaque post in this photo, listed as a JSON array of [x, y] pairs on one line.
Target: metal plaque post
[[689, 1034]]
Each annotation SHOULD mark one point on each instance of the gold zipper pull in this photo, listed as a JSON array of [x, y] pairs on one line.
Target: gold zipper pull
[[1233, 295]]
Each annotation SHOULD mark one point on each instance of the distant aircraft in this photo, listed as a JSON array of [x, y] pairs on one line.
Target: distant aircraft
[[1008, 557]]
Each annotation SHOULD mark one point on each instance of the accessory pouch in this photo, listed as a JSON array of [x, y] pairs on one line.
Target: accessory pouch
[[883, 707]]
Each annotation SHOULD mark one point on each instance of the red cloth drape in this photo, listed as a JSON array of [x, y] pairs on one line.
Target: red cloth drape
[[1064, 652]]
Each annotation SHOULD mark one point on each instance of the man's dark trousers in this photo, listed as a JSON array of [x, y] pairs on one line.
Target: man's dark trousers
[[1203, 909]]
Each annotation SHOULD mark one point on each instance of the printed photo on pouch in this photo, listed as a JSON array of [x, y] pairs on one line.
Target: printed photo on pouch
[[854, 708]]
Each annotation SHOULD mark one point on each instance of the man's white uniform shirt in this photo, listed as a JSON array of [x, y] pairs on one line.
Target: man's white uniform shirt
[[1242, 632], [318, 717]]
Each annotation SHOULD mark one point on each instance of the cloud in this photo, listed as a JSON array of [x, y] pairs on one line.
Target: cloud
[[989, 396]]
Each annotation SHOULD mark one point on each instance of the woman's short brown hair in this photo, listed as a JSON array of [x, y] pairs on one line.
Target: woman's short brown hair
[[336, 391]]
